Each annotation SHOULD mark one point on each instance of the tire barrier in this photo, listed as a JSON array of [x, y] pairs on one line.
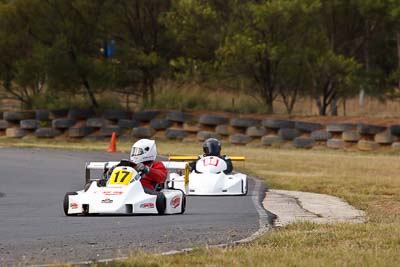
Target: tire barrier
[[143, 132], [321, 135], [213, 120], [243, 122], [303, 142], [277, 123], [3, 124], [176, 116], [117, 115], [47, 132], [288, 133], [16, 116], [29, 124], [350, 136], [256, 131], [145, 116], [187, 127]]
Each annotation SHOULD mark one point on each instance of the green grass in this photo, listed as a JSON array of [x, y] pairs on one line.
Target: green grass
[[368, 181]]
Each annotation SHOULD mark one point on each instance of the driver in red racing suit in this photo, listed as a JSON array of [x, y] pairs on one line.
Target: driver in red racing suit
[[142, 159]]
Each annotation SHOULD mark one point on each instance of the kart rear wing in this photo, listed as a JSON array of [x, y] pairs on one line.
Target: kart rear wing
[[188, 158], [108, 164], [97, 166]]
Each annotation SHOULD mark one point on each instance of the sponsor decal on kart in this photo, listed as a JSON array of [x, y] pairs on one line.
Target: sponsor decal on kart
[[74, 205], [210, 161], [112, 193], [107, 201], [147, 205], [175, 202]]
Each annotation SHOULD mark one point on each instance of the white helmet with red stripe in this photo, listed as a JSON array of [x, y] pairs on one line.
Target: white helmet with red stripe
[[143, 150]]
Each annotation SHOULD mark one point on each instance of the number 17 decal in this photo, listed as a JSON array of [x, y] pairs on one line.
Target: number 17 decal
[[121, 177]]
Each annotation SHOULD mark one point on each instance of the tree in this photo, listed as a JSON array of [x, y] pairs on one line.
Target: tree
[[66, 31], [264, 36]]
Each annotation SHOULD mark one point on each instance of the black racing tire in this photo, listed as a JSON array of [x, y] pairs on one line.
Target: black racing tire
[[107, 131], [96, 122], [340, 127], [351, 136], [78, 132], [29, 124], [384, 138], [3, 124], [175, 134], [288, 133], [239, 139], [303, 142], [128, 124], [247, 187], [321, 135], [204, 135], [177, 116], [308, 126], [42, 115], [18, 115], [47, 132], [161, 203], [143, 132], [145, 116], [66, 203], [277, 123], [395, 129], [112, 114], [160, 124], [243, 122], [62, 123], [183, 203], [213, 120], [80, 114], [256, 131], [369, 129]]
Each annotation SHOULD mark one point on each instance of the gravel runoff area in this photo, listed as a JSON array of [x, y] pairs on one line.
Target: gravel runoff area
[[293, 206]]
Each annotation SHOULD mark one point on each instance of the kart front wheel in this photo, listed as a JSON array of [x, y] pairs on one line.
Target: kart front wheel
[[66, 202], [183, 203], [161, 203]]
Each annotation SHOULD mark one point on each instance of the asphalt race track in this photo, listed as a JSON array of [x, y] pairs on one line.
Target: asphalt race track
[[34, 229]]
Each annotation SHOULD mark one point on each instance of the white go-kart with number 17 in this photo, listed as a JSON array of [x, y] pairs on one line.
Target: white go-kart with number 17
[[208, 179], [122, 194]]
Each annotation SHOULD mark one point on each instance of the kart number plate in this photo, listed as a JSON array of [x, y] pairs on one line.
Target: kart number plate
[[121, 177]]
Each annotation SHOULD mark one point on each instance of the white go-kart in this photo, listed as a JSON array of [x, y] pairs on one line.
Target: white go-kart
[[208, 179], [122, 194]]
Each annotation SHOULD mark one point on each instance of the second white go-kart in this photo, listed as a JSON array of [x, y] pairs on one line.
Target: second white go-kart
[[122, 194], [208, 179]]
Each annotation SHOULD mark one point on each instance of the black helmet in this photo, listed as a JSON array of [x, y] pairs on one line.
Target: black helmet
[[212, 147]]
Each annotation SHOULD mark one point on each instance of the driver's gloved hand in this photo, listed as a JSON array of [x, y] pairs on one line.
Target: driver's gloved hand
[[140, 167]]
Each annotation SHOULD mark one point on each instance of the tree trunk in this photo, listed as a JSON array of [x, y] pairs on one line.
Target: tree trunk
[[398, 54], [90, 93]]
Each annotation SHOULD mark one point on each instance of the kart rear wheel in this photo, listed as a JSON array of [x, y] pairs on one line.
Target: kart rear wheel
[[66, 202], [161, 203], [183, 203], [245, 187]]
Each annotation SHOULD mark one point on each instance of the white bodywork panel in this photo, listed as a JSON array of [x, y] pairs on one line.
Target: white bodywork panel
[[121, 198]]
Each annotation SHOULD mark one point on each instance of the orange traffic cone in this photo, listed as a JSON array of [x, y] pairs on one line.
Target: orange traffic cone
[[113, 143]]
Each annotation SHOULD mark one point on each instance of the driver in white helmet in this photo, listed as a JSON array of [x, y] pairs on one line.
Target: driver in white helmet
[[143, 159]]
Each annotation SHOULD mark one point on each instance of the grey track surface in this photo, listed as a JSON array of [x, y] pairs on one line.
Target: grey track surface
[[34, 230]]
